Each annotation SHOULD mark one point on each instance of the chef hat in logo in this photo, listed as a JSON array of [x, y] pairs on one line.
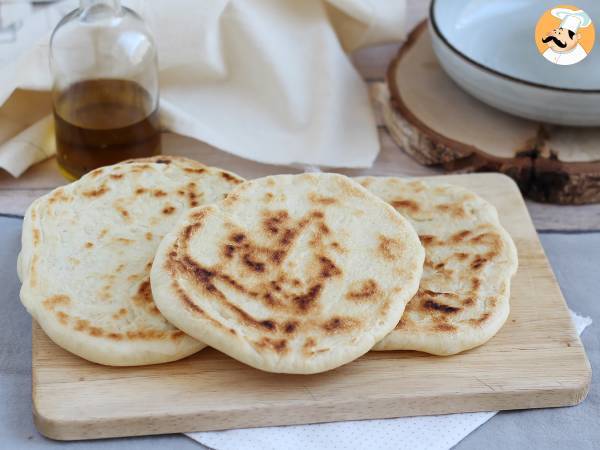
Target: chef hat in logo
[[572, 20]]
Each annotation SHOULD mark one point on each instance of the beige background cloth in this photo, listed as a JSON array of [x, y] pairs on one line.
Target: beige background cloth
[[267, 80]]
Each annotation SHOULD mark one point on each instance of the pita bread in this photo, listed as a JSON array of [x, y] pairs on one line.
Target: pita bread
[[86, 254], [463, 298], [291, 273]]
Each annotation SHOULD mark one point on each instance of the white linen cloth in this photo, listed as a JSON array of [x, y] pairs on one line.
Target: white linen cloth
[[267, 80], [406, 433]]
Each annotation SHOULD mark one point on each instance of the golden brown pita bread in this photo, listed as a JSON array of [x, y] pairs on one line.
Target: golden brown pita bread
[[463, 298], [290, 273], [87, 250]]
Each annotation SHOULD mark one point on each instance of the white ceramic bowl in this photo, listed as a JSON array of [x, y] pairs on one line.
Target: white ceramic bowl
[[488, 48]]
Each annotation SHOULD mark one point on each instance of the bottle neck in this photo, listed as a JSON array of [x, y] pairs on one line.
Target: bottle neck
[[115, 5]]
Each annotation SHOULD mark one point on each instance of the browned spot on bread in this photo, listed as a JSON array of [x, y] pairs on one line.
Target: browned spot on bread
[[232, 179], [143, 297], [324, 228], [234, 284], [96, 192], [168, 210], [365, 291], [56, 300], [328, 268], [140, 190], [432, 305], [406, 205], [120, 313], [455, 210], [478, 262], [149, 334], [148, 236], [237, 237], [36, 237], [119, 268], [256, 266], [314, 197], [33, 270], [460, 236], [180, 192], [187, 301], [81, 325], [194, 170], [427, 239], [308, 348], [124, 241], [62, 317], [198, 216], [123, 212], [89, 244], [177, 334], [159, 193], [277, 256], [287, 237], [338, 324], [389, 248], [468, 301], [268, 325], [228, 250], [58, 195], [96, 173], [445, 327], [277, 345], [95, 331], [268, 197], [290, 327], [481, 319], [317, 214], [307, 300], [401, 324], [476, 283], [273, 220], [102, 233], [115, 336], [336, 246], [461, 256], [162, 161]]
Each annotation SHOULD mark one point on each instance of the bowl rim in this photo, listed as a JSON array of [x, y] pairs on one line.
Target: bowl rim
[[436, 29]]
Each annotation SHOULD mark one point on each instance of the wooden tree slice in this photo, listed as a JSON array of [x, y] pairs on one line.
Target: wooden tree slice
[[435, 121]]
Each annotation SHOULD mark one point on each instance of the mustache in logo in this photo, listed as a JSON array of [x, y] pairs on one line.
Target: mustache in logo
[[556, 41]]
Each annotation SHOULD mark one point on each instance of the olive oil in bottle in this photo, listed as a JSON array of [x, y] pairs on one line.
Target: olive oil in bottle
[[105, 87], [104, 121]]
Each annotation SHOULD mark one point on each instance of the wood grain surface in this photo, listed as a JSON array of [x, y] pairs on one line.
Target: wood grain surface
[[536, 360]]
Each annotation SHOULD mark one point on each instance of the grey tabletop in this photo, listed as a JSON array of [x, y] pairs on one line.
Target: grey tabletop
[[575, 258]]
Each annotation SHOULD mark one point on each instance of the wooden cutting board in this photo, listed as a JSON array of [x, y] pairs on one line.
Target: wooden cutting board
[[535, 361]]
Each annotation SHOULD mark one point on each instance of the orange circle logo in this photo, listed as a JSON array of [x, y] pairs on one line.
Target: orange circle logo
[[565, 35]]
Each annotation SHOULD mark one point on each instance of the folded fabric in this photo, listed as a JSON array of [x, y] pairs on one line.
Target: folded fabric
[[410, 433], [267, 80]]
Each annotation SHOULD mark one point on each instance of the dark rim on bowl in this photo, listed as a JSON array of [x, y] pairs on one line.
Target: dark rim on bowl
[[485, 68]]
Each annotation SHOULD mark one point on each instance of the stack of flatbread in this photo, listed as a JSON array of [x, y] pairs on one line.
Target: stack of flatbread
[[150, 260]]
